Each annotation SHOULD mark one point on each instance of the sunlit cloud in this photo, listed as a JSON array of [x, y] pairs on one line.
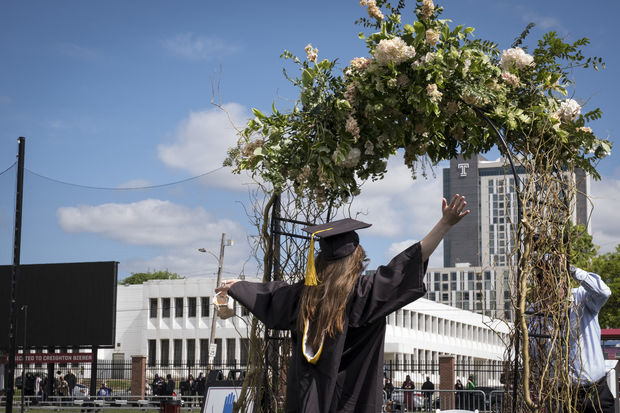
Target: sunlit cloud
[[195, 47]]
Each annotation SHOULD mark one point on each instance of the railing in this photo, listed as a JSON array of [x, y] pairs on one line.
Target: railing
[[99, 403], [116, 374], [430, 400]]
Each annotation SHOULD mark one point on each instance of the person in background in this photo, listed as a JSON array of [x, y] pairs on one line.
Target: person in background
[[428, 389], [408, 388], [71, 381], [170, 385], [458, 400], [388, 388]]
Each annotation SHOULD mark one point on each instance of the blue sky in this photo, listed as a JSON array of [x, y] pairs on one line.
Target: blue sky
[[117, 94]]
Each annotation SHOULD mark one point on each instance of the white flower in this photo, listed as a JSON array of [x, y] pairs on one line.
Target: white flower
[[427, 8], [349, 93], [353, 157], [360, 63], [352, 127], [515, 57], [373, 10], [569, 110], [433, 93], [466, 65], [432, 37], [311, 54], [380, 86], [369, 148], [510, 78], [585, 129], [393, 50]]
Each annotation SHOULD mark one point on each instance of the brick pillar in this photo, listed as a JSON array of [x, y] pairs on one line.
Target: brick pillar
[[446, 382], [138, 376]]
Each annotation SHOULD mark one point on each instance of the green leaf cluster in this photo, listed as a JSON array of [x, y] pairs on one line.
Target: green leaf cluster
[[142, 277], [429, 105]]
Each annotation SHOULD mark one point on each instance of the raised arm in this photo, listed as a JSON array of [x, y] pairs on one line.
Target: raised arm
[[451, 215]]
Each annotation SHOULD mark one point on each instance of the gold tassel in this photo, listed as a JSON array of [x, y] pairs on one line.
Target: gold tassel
[[311, 277]]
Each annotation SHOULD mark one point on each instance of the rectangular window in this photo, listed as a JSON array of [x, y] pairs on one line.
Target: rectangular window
[[444, 277], [230, 352], [153, 308], [244, 350], [204, 351], [191, 307], [218, 352], [165, 307], [152, 355], [165, 352], [204, 306], [178, 351], [191, 352], [178, 307]]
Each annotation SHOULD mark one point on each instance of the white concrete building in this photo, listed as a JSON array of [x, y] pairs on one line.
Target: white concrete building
[[171, 320]]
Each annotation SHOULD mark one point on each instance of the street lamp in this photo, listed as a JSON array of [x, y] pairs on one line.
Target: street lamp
[[224, 243]]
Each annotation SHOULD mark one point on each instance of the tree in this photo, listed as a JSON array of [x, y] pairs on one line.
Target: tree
[[608, 267], [142, 277], [582, 249]]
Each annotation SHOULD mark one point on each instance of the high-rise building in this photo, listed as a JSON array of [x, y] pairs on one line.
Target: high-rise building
[[486, 237]]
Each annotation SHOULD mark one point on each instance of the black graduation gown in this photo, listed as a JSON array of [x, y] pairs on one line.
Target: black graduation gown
[[349, 374]]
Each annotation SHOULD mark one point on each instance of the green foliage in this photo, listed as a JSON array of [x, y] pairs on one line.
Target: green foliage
[[142, 277], [608, 267], [582, 249], [415, 93]]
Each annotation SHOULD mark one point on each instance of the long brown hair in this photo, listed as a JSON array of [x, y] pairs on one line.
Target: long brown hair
[[325, 303]]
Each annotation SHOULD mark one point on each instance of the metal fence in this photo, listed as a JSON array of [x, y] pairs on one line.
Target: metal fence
[[116, 374], [430, 401], [485, 373]]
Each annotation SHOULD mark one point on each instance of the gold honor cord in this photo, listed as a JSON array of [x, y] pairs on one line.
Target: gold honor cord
[[309, 354], [311, 277]]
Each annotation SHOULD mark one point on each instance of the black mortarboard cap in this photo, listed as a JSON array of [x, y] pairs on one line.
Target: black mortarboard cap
[[338, 239]]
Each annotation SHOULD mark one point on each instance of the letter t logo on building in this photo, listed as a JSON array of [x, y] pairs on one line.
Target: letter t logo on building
[[463, 167]]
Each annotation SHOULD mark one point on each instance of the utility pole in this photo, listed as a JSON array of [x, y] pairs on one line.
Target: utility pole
[[212, 346], [10, 383]]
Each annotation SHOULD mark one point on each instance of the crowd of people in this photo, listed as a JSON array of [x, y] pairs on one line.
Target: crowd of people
[[407, 395]]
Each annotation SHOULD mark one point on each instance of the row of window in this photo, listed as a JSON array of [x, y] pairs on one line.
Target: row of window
[[184, 351], [436, 325], [181, 305]]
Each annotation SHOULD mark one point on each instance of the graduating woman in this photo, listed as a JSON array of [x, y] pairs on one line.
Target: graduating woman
[[337, 316]]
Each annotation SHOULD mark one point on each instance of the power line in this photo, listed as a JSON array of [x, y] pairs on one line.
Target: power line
[[10, 167], [123, 189]]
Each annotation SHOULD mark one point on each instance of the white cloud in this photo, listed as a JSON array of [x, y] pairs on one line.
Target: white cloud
[[399, 205], [175, 231], [436, 259], [605, 195], [190, 46], [150, 222], [202, 140]]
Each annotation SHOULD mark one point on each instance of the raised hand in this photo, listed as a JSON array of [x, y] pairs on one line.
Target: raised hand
[[455, 211]]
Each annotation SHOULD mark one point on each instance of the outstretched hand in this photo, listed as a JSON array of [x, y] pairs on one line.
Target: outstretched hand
[[225, 286], [453, 213]]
